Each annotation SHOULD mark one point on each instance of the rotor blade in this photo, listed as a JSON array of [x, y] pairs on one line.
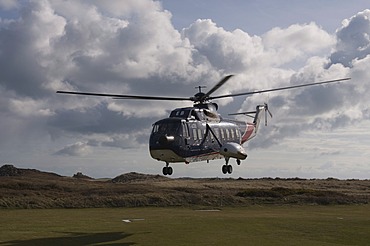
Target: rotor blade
[[279, 89], [269, 113], [245, 113], [267, 110], [217, 86], [265, 117], [119, 96]]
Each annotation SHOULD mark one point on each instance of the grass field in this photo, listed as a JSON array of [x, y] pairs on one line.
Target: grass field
[[252, 225]]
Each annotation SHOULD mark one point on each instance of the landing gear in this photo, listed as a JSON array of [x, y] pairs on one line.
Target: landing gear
[[167, 170], [227, 169], [238, 162]]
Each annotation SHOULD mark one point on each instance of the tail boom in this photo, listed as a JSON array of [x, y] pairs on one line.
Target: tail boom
[[250, 132], [252, 128]]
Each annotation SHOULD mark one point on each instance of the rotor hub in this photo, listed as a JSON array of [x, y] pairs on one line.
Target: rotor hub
[[200, 97]]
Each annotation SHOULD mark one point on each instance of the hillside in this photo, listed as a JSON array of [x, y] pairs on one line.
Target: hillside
[[29, 188]]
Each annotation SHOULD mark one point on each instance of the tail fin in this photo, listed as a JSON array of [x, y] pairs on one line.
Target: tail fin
[[257, 118], [252, 128]]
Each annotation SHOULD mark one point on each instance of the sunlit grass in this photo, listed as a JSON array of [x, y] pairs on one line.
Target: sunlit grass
[[254, 225]]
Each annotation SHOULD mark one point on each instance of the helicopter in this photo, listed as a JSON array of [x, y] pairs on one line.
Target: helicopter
[[200, 133]]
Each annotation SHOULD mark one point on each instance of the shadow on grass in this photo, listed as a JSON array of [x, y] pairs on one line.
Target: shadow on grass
[[74, 239]]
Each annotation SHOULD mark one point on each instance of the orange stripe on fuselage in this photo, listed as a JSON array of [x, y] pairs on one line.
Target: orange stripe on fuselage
[[248, 132]]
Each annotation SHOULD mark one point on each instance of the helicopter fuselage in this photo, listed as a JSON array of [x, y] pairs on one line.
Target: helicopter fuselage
[[198, 134]]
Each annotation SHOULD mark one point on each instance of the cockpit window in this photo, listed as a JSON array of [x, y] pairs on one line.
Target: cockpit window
[[180, 113], [169, 128]]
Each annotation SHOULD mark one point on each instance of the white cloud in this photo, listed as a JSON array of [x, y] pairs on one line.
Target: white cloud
[[296, 41], [76, 149], [131, 47], [230, 52], [27, 107], [9, 4], [325, 108], [353, 39]]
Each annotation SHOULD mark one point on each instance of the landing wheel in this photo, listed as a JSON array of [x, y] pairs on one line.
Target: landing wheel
[[238, 162], [227, 169], [164, 170], [224, 169], [167, 170]]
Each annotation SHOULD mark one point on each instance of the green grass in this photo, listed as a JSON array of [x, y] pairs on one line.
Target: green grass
[[254, 225]]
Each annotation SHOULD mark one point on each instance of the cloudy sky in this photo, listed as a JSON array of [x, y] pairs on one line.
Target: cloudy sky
[[168, 47]]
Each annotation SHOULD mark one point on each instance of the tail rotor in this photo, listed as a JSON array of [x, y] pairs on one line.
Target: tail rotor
[[267, 110]]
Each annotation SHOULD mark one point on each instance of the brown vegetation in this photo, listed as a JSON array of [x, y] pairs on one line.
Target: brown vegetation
[[28, 188]]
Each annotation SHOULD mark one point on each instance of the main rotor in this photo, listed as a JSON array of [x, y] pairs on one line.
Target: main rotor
[[200, 97]]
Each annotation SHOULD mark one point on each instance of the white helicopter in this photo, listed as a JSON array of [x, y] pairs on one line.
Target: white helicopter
[[199, 133]]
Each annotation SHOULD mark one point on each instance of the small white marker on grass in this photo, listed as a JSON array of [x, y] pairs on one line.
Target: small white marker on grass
[[131, 220]]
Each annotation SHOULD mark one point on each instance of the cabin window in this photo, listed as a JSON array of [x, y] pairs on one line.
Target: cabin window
[[222, 133], [227, 133], [155, 128], [195, 136], [185, 130], [200, 134], [237, 133]]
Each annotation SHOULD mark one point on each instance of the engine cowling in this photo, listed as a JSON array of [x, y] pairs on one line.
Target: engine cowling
[[233, 150]]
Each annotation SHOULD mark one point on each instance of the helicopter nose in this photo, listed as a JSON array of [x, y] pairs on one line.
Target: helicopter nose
[[163, 140]]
